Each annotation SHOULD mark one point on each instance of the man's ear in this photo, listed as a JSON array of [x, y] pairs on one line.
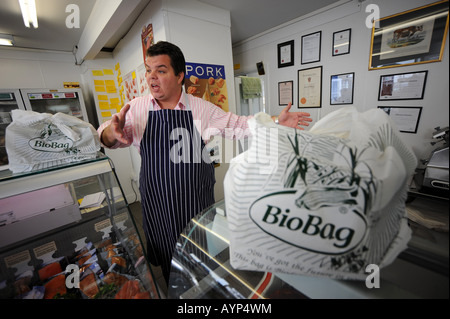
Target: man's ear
[[180, 77]]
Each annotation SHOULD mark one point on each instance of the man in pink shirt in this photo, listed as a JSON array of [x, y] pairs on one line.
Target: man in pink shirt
[[174, 188]]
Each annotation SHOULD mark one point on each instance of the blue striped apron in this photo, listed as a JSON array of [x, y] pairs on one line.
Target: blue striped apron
[[175, 182]]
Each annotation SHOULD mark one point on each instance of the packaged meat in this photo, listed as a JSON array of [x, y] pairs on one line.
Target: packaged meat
[[88, 285], [114, 278], [55, 286], [128, 290], [49, 271]]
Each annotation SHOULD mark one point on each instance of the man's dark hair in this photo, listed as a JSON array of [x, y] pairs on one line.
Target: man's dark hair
[[176, 56]]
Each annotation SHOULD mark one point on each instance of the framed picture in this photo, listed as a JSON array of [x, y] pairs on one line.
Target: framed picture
[[405, 117], [285, 92], [310, 87], [341, 88], [311, 47], [341, 42], [404, 86], [411, 37], [286, 54]]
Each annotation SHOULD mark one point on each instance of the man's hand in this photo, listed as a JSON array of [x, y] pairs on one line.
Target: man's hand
[[114, 132], [294, 119]]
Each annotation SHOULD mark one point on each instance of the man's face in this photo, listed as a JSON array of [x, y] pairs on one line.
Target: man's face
[[164, 84]]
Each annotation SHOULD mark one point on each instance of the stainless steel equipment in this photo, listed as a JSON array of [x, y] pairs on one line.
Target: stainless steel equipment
[[436, 171]]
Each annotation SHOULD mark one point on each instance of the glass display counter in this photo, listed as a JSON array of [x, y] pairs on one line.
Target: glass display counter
[[67, 232], [201, 268]]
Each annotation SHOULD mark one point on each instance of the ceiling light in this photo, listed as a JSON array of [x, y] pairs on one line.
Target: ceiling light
[[28, 8], [6, 39]]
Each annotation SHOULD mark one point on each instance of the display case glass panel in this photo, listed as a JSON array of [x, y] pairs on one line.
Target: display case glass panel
[[67, 232]]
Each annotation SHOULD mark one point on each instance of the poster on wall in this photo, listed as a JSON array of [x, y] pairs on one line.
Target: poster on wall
[[147, 38], [142, 82], [207, 81], [130, 87], [107, 93]]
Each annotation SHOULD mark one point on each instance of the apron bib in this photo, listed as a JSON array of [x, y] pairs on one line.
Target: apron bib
[[175, 183]]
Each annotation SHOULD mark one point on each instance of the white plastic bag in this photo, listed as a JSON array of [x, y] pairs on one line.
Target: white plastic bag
[[40, 140], [327, 202]]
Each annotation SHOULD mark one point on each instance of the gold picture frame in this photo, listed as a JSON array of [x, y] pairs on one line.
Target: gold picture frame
[[412, 37]]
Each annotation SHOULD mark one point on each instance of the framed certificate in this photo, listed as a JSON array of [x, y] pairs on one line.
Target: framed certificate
[[285, 92], [311, 47], [410, 37], [310, 87], [341, 88], [286, 54], [341, 42], [404, 86], [406, 118]]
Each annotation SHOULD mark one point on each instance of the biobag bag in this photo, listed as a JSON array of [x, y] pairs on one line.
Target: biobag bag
[[326, 202], [40, 140]]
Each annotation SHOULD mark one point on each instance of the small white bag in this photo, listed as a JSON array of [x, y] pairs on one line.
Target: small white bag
[[327, 202], [40, 140]]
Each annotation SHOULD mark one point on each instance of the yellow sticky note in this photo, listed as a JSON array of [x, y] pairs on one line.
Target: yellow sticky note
[[97, 73], [103, 105], [133, 74], [115, 100], [111, 89], [110, 83], [99, 82], [102, 97], [117, 66], [106, 114], [99, 89], [108, 72]]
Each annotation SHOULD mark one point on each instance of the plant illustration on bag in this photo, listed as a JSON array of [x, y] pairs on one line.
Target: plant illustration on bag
[[51, 139], [354, 261], [332, 186], [46, 132], [329, 185]]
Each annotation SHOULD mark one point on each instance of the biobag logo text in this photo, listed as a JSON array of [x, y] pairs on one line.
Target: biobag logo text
[[56, 146], [327, 231]]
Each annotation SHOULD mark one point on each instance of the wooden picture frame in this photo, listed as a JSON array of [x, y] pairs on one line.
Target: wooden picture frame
[[286, 54], [412, 37], [311, 46], [341, 42], [285, 92], [405, 117], [402, 86], [342, 88], [310, 87]]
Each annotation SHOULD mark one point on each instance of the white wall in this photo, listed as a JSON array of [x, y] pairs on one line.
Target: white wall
[[344, 15], [26, 68], [40, 69]]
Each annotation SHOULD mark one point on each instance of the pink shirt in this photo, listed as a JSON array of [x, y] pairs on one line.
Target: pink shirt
[[209, 119]]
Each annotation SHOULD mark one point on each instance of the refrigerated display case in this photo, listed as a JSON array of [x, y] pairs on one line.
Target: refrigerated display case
[[67, 232], [68, 101], [9, 100], [201, 266]]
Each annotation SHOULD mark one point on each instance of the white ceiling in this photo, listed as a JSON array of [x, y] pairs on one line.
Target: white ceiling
[[251, 17], [248, 18]]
